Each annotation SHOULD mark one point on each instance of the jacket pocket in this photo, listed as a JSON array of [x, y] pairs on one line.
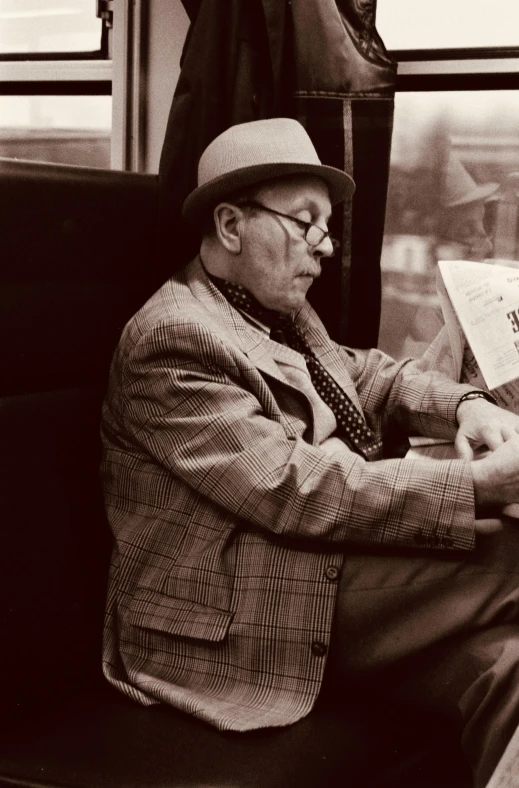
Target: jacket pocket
[[152, 610]]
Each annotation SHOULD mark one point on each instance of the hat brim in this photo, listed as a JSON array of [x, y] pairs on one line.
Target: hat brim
[[480, 192], [340, 184]]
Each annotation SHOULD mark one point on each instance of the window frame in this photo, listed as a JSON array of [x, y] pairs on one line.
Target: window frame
[[447, 70], [70, 78], [484, 68], [67, 73]]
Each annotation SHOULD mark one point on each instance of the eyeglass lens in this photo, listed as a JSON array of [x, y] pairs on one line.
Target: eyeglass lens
[[314, 235]]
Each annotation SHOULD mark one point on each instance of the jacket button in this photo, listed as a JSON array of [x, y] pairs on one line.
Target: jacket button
[[331, 572], [319, 649]]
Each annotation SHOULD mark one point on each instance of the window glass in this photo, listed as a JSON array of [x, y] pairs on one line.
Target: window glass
[[448, 24], [59, 129], [453, 194], [45, 26]]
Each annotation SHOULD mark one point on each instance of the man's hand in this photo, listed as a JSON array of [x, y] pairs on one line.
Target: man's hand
[[496, 476], [482, 425]]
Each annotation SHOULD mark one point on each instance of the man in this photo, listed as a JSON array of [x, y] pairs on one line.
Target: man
[[462, 235], [257, 527], [462, 220]]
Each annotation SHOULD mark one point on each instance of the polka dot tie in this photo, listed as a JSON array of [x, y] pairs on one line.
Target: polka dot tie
[[283, 329]]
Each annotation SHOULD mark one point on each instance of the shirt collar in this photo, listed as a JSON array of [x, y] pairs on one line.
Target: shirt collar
[[243, 300]]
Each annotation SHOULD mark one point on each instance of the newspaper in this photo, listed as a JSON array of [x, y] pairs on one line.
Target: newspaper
[[479, 343], [485, 299]]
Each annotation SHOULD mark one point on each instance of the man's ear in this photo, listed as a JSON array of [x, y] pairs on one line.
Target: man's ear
[[227, 222]]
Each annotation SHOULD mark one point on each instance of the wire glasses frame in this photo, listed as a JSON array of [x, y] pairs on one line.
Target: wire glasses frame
[[313, 234]]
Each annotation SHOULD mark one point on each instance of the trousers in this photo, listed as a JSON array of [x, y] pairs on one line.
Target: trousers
[[456, 617]]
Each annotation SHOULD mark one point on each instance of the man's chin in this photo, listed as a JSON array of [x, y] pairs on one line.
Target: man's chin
[[292, 301], [296, 302], [290, 305]]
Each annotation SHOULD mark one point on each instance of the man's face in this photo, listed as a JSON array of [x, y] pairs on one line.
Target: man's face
[[276, 263]]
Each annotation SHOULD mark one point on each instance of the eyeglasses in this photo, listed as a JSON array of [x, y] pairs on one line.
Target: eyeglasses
[[312, 234]]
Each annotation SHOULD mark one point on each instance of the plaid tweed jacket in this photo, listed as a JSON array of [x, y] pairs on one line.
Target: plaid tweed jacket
[[230, 521]]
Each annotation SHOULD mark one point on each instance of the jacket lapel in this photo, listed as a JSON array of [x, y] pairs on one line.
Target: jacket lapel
[[256, 345]]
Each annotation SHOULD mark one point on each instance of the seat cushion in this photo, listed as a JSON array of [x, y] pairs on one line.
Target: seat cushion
[[105, 740]]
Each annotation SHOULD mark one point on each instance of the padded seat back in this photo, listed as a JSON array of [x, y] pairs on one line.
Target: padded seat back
[[78, 255], [77, 258]]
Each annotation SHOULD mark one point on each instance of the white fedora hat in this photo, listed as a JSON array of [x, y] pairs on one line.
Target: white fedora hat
[[249, 153]]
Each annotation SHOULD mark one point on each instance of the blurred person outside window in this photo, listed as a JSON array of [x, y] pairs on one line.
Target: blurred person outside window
[[462, 235]]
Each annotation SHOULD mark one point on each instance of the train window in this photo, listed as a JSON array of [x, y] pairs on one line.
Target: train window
[[40, 26], [453, 189], [447, 24], [56, 81], [59, 129], [453, 194]]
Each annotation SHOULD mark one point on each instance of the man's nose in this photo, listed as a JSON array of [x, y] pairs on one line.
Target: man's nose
[[325, 248]]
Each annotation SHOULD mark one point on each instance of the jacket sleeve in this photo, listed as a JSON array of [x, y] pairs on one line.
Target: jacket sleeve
[[186, 402], [423, 401]]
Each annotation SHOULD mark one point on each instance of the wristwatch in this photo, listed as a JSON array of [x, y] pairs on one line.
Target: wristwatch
[[476, 395]]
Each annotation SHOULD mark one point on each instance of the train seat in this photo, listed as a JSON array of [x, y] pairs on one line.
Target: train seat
[[76, 252]]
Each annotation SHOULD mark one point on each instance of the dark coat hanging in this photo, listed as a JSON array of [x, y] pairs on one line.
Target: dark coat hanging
[[322, 62]]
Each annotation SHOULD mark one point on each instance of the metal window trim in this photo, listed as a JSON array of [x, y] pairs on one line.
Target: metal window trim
[[468, 53], [456, 67], [57, 88], [15, 57], [130, 18], [456, 82], [56, 71]]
